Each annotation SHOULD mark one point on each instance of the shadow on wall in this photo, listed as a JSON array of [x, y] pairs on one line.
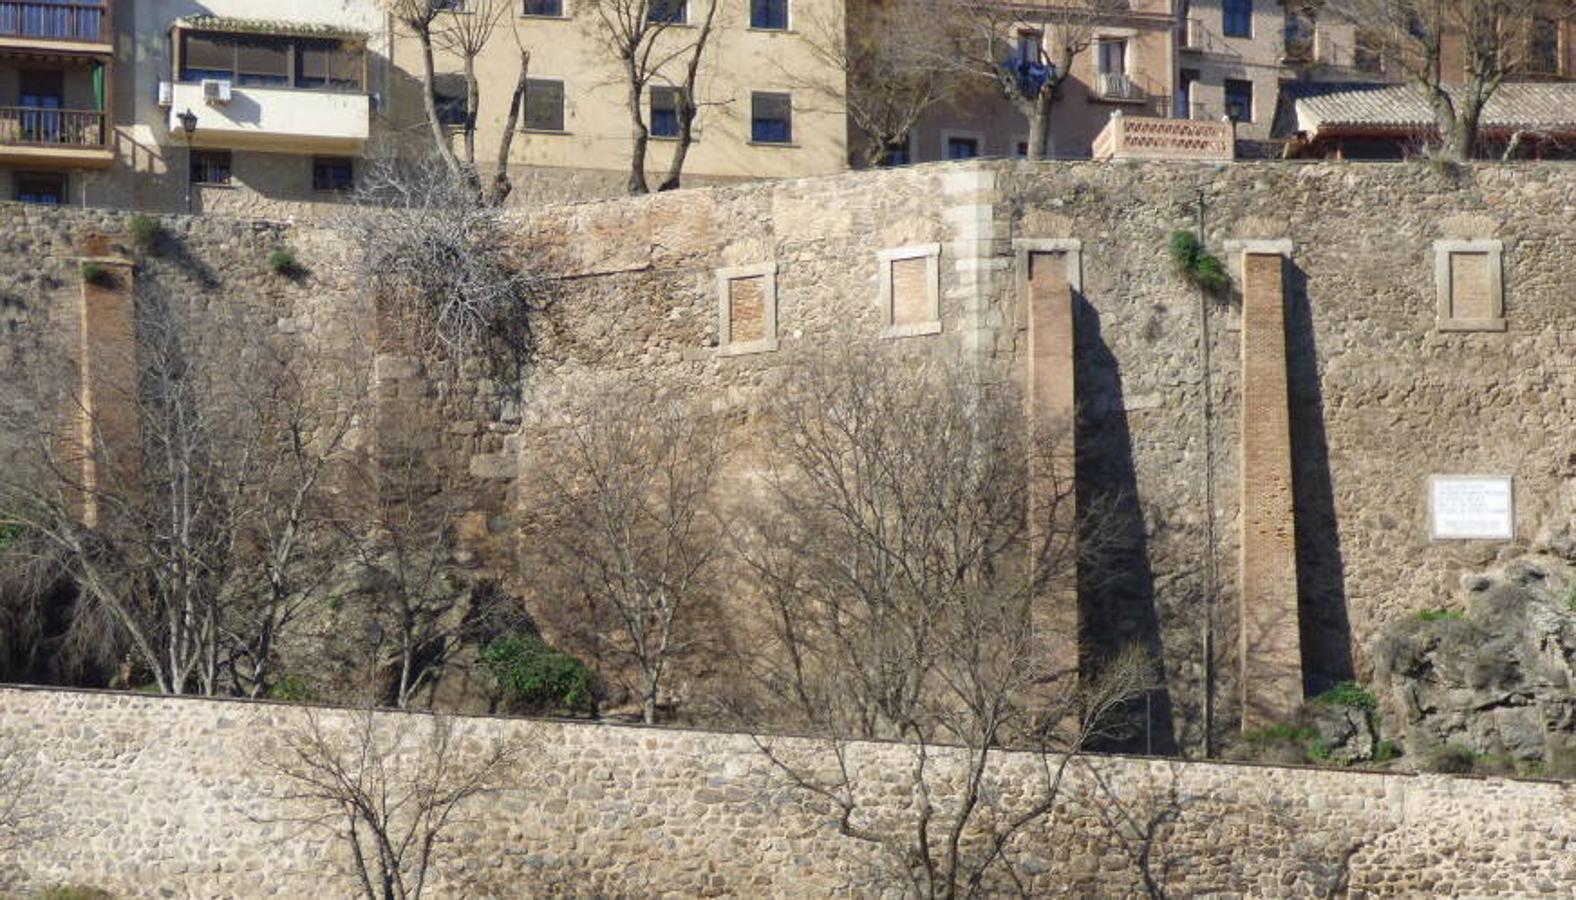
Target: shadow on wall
[[1321, 588], [1116, 594]]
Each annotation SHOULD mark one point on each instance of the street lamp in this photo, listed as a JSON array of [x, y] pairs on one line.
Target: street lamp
[[188, 125]]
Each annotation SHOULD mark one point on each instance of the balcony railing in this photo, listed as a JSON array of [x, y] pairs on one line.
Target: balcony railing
[[1192, 34], [1140, 137], [1118, 86], [55, 21], [51, 127]]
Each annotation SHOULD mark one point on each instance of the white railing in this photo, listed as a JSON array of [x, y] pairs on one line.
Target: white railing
[[1140, 137], [1118, 86]]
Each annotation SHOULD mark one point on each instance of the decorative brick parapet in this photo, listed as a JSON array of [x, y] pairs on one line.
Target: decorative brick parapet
[[1141, 137]]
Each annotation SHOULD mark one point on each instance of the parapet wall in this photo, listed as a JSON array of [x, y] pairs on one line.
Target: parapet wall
[[1385, 388], [171, 797]]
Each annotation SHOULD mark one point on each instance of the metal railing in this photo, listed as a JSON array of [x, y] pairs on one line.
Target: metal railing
[[1118, 86], [55, 21], [51, 127]]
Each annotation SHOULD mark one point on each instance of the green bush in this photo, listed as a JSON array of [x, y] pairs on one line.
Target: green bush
[[1451, 759], [283, 262], [145, 231], [292, 689], [93, 273], [1384, 751], [1349, 693], [1196, 265], [1280, 734], [535, 676], [74, 892], [1441, 615], [1571, 600], [10, 534]]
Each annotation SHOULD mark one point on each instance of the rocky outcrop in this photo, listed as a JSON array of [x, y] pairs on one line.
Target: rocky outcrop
[[1496, 677]]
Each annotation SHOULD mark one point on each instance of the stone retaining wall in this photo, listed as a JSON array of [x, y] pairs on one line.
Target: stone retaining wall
[[170, 797]]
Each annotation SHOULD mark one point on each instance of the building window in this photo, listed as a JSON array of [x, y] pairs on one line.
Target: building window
[[911, 290], [552, 9], [897, 153], [1112, 56], [544, 104], [668, 12], [1239, 100], [771, 15], [47, 188], [1238, 18], [1368, 52], [1186, 78], [1020, 149], [962, 147], [333, 173], [262, 61], [210, 167], [747, 309], [1543, 52], [664, 112], [771, 118]]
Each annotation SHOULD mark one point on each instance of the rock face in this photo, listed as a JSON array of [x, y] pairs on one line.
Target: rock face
[[1498, 679]]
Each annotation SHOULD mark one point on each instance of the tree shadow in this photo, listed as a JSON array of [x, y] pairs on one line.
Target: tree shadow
[[1321, 587], [1116, 592]]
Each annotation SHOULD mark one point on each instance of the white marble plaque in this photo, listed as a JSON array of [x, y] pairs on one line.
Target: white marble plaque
[[1472, 507]]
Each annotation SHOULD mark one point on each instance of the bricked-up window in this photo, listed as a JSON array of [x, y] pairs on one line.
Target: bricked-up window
[[333, 173], [910, 296], [674, 12], [544, 104], [769, 14], [664, 111], [210, 167], [771, 118], [1239, 100], [1238, 18], [747, 309], [48, 188], [1470, 284], [549, 8]]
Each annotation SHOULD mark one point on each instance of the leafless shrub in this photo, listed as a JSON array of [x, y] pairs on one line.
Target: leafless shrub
[[444, 269], [625, 532], [21, 815], [390, 794], [913, 531]]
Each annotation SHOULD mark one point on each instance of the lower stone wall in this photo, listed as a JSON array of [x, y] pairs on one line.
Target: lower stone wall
[[170, 797]]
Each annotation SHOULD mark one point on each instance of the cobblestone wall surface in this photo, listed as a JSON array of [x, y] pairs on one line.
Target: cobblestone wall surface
[[174, 797]]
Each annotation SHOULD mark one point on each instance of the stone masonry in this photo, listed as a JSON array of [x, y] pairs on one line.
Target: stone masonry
[[173, 797]]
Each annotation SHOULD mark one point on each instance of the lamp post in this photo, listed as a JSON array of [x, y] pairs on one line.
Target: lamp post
[[188, 125]]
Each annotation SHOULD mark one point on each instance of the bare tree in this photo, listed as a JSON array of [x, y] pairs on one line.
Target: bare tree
[[626, 524], [642, 36], [443, 268], [390, 794], [464, 30], [883, 59], [902, 569], [192, 534], [20, 811], [1026, 52], [1496, 38]]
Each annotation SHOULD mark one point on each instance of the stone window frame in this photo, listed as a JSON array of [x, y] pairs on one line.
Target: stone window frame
[[931, 254], [1072, 248], [767, 272], [1443, 250]]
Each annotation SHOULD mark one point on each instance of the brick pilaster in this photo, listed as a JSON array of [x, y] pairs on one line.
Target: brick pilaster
[[1051, 397], [109, 432]]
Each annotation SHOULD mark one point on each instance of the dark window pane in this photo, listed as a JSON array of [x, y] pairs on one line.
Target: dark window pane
[[897, 153], [771, 118], [333, 173], [664, 112], [49, 189], [544, 105], [675, 11], [210, 167], [1239, 100], [1238, 16], [263, 62], [962, 148], [207, 56], [324, 65], [544, 7], [769, 14]]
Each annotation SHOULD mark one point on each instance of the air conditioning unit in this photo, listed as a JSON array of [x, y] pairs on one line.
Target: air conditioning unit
[[215, 90], [166, 94]]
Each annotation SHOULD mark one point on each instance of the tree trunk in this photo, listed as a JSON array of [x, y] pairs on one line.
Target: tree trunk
[[1040, 120], [503, 186], [687, 108], [1461, 140], [639, 135], [429, 99], [472, 102]]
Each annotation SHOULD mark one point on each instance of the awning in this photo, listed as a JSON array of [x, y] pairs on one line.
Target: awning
[[230, 25]]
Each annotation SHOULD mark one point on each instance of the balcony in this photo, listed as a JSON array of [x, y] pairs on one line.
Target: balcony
[[1191, 37], [287, 120], [54, 137], [81, 27], [1119, 87], [1139, 137]]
